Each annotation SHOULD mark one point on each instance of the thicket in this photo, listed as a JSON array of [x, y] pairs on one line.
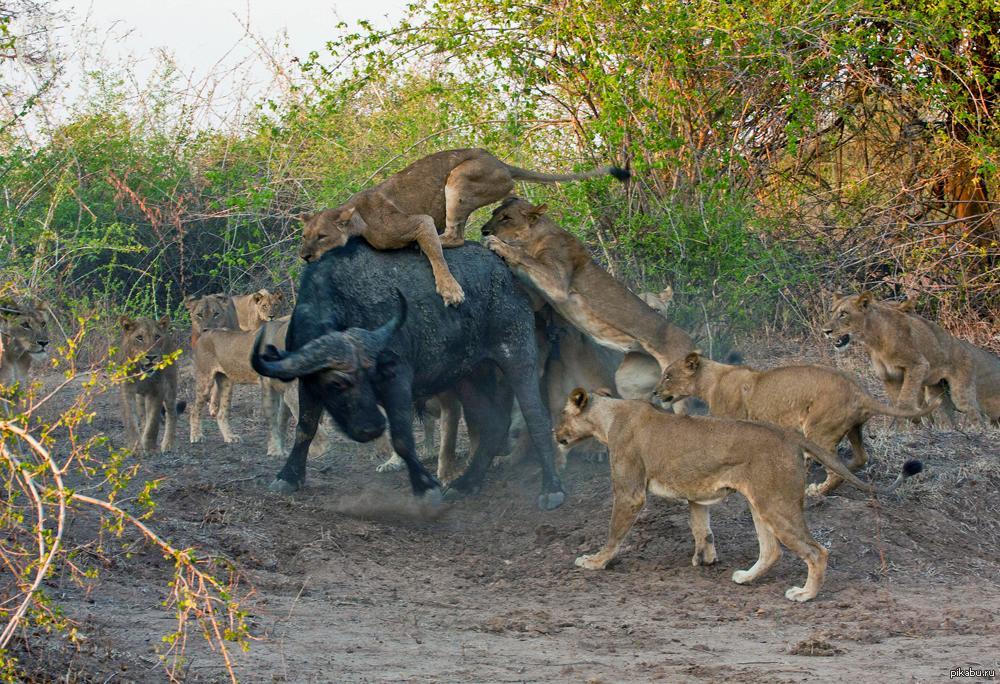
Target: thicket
[[777, 149]]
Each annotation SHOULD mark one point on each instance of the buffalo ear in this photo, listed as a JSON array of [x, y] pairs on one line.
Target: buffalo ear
[[579, 398], [692, 361], [127, 324], [864, 300]]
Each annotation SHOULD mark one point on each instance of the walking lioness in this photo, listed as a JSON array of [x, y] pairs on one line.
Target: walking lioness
[[823, 403], [152, 390], [442, 189], [913, 356], [703, 460]]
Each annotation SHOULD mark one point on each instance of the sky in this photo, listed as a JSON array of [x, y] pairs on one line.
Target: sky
[[208, 39]]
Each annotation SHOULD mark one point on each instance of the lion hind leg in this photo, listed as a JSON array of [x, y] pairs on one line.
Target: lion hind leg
[[704, 540], [789, 526], [470, 186], [769, 554]]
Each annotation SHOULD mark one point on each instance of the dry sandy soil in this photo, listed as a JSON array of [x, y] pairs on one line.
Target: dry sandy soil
[[351, 584]]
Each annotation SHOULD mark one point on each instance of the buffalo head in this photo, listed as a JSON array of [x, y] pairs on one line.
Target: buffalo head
[[337, 369]]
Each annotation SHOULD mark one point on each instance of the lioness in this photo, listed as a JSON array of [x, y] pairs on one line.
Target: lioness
[[211, 311], [24, 335], [254, 309], [443, 188], [557, 265], [222, 359], [913, 356], [703, 460], [146, 342], [659, 301], [823, 403]]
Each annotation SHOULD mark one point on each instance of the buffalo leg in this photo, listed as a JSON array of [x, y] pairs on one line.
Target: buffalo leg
[[536, 416], [486, 405], [293, 475], [398, 404]]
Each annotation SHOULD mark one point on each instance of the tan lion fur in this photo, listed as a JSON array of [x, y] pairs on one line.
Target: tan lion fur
[[256, 308], [822, 403], [913, 356], [24, 336], [221, 360], [557, 265], [146, 343], [702, 460], [209, 312], [441, 189]]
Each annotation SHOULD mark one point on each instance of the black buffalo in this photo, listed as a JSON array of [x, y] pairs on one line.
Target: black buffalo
[[369, 329]]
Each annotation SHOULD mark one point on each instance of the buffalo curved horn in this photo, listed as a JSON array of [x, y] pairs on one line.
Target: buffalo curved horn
[[332, 351]]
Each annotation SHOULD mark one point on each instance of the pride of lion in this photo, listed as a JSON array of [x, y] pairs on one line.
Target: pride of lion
[[607, 359]]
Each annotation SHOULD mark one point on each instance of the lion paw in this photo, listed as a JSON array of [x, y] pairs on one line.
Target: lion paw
[[704, 557], [232, 439], [817, 489], [798, 594], [742, 577], [451, 292], [195, 439], [394, 464], [591, 562]]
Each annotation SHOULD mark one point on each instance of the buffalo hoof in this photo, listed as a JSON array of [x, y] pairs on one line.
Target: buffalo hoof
[[279, 486], [551, 500], [432, 497]]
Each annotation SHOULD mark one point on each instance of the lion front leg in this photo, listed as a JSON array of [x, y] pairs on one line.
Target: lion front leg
[[427, 238], [624, 510]]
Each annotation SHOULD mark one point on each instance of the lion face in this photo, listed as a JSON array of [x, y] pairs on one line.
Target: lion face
[[266, 304], [144, 340], [679, 379], [573, 423], [514, 220], [25, 330], [329, 229], [207, 313], [847, 318]]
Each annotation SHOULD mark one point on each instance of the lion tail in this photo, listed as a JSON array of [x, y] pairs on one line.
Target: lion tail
[[538, 177], [831, 462]]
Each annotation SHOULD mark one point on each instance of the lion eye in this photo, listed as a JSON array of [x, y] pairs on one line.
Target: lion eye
[[158, 336], [843, 314], [26, 324], [138, 338]]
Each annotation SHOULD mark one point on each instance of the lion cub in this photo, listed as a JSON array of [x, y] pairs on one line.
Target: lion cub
[[557, 266], [913, 356], [823, 403], [703, 460], [441, 189], [147, 342]]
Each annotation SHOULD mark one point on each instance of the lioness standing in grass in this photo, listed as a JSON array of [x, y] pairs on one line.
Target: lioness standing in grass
[[823, 403], [441, 189], [912, 356], [703, 460], [147, 342]]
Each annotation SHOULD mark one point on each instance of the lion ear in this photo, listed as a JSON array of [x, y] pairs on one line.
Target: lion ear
[[603, 392], [692, 360], [305, 217], [278, 297], [164, 322], [257, 296], [346, 214], [127, 324], [535, 213], [579, 398], [865, 300], [906, 305]]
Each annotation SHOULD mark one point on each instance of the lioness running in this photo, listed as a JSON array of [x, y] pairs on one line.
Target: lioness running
[[823, 403], [443, 188], [557, 265], [703, 460], [913, 356]]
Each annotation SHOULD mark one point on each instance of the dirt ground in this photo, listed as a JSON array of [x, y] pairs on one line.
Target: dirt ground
[[350, 585]]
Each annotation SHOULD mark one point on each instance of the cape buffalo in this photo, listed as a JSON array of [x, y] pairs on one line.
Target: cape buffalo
[[369, 329]]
